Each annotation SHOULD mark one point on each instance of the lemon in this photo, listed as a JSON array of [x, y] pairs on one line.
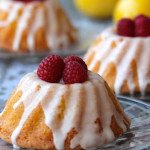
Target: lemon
[[131, 8], [96, 8]]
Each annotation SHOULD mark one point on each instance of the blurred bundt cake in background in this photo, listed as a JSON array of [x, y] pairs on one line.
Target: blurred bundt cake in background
[[34, 25], [122, 56]]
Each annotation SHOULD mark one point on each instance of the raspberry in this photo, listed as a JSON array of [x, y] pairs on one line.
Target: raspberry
[[76, 58], [74, 73], [51, 68], [142, 26], [125, 27], [139, 16]]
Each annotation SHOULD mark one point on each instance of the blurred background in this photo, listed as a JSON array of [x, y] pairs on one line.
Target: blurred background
[[115, 9]]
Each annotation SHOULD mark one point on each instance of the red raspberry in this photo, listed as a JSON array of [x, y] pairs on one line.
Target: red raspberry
[[125, 27], [74, 73], [76, 58], [51, 68], [142, 26], [139, 16]]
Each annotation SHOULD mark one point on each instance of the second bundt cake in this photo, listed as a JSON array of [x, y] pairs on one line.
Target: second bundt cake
[[124, 62], [34, 26]]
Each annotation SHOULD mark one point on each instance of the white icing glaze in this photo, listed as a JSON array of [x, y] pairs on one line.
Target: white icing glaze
[[5, 6], [36, 25], [22, 24], [84, 104], [55, 35], [122, 56]]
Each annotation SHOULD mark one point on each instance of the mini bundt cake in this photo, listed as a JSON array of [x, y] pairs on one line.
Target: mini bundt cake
[[46, 115], [34, 25], [123, 61]]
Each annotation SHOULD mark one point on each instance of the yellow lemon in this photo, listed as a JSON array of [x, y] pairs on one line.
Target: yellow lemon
[[131, 8], [96, 8]]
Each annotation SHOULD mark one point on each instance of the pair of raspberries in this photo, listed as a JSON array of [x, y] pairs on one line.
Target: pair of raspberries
[[139, 27], [72, 70]]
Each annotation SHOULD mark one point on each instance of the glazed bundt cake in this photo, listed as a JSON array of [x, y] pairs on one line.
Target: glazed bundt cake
[[45, 115], [34, 25], [123, 61]]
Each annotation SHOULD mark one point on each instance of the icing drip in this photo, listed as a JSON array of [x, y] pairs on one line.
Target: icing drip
[[23, 21], [37, 24], [12, 16], [144, 65], [127, 50], [47, 16], [56, 34], [76, 99], [52, 30]]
